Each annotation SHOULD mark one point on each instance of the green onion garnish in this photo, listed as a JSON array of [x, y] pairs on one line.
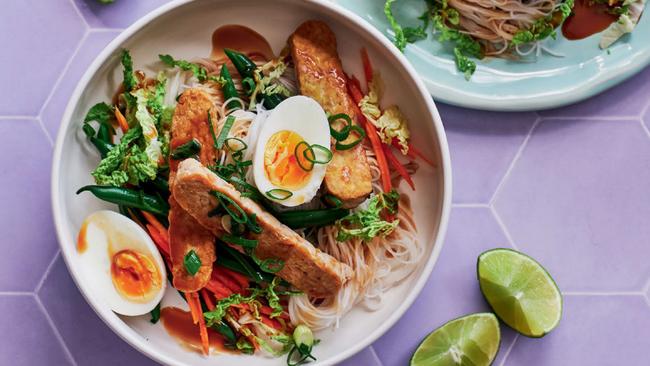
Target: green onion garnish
[[249, 85], [214, 136], [313, 148], [192, 262], [252, 224], [304, 153], [236, 240], [362, 134], [271, 265], [224, 132], [227, 143], [343, 133], [279, 194], [186, 150], [225, 201], [333, 201]]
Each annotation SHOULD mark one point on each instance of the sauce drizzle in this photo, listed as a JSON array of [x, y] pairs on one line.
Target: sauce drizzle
[[587, 18], [178, 324], [241, 39]]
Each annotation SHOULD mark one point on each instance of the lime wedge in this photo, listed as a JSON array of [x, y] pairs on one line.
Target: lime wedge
[[472, 340], [520, 291]]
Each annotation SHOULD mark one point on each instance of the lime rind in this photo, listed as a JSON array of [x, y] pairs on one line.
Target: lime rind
[[520, 291], [470, 340]]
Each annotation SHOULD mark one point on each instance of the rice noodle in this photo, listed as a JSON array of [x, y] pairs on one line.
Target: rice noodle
[[494, 23]]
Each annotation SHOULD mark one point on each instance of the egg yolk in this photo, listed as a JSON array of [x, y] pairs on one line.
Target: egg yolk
[[135, 276], [281, 162]]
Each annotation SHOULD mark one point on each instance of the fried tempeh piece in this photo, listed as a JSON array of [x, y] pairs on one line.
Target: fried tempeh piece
[[321, 77], [307, 268], [185, 234]]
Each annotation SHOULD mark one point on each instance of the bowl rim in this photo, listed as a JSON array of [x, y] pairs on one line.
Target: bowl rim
[[133, 338]]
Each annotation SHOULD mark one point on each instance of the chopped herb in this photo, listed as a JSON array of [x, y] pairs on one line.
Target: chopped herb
[[279, 194], [129, 81], [231, 207], [192, 262], [199, 72], [223, 134], [155, 314], [186, 150], [361, 134], [400, 38], [272, 265], [242, 242], [367, 224]]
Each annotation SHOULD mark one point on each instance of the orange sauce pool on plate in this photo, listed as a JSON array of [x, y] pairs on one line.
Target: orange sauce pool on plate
[[587, 18], [178, 324], [241, 39]]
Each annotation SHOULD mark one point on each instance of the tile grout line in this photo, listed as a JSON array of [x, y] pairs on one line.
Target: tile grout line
[[105, 30], [644, 127], [18, 117], [47, 271], [514, 161], [79, 14], [16, 293], [374, 353], [591, 118], [470, 205], [39, 120], [63, 72], [57, 334], [605, 293], [503, 227], [512, 345]]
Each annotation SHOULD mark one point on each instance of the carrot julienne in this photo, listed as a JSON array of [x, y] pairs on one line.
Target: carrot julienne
[[197, 317], [207, 298], [161, 242], [401, 170], [121, 120]]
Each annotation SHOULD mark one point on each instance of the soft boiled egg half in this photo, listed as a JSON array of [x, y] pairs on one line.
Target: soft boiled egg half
[[292, 152], [120, 263]]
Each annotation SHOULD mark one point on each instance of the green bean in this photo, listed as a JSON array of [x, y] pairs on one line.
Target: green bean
[[311, 218], [105, 132], [272, 101], [128, 197], [225, 331], [244, 65], [229, 90], [101, 145]]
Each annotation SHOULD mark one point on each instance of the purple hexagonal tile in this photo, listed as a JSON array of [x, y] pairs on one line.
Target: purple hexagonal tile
[[119, 14], [53, 110], [26, 220], [32, 340], [37, 38], [577, 201], [96, 345], [366, 357], [627, 99], [482, 146], [594, 330], [452, 291]]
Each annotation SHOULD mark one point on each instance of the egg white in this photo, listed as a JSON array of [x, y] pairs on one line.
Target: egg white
[[306, 117], [96, 262]]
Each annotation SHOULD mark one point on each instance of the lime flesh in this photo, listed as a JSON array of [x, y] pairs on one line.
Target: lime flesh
[[520, 291], [472, 340]]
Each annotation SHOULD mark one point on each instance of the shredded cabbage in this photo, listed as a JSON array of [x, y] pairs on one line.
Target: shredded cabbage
[[368, 223]]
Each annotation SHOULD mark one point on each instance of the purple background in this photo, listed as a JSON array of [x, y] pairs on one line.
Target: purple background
[[567, 186]]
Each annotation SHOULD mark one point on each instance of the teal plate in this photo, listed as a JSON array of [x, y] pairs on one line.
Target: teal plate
[[505, 85]]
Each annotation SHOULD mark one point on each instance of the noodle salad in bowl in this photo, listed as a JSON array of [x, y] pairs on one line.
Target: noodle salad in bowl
[[255, 199]]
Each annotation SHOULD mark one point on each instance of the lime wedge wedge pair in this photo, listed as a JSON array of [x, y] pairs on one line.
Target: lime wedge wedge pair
[[521, 293]]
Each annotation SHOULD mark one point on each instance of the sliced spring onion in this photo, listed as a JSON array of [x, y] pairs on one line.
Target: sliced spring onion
[[271, 265], [304, 153], [192, 262], [362, 134], [223, 134], [214, 136], [226, 202], [252, 224], [343, 133], [227, 143], [313, 148], [249, 85], [236, 240], [186, 150], [333, 201], [279, 194]]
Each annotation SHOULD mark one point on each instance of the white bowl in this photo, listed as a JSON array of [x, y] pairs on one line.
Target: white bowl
[[183, 28]]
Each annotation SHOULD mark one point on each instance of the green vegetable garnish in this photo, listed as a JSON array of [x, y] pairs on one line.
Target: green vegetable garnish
[[100, 112], [186, 150], [544, 27], [192, 262], [155, 314], [227, 125], [129, 197], [303, 340], [279, 194], [129, 81], [400, 38], [367, 224], [231, 207], [199, 72], [242, 242]]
